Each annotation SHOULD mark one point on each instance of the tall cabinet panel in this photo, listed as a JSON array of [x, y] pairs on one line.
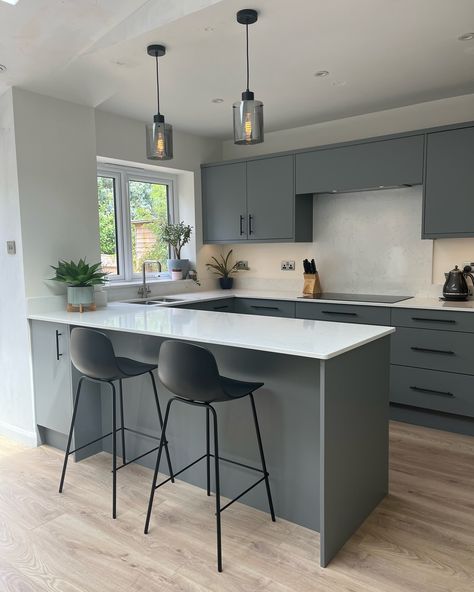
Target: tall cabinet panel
[[224, 196], [271, 198], [449, 184]]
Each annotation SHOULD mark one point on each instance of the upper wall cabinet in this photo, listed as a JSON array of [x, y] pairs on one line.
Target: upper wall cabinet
[[254, 201], [224, 202], [382, 163], [449, 184]]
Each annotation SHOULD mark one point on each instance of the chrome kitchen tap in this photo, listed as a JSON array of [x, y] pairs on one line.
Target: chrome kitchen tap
[[144, 290]]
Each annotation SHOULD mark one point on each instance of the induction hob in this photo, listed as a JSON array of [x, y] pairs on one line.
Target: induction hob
[[383, 299]]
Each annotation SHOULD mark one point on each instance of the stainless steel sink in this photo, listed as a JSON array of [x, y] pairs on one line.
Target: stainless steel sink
[[153, 302]]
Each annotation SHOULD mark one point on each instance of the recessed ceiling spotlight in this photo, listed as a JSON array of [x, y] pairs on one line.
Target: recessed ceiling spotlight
[[3, 68], [321, 73], [217, 100], [338, 83], [209, 29], [466, 37]]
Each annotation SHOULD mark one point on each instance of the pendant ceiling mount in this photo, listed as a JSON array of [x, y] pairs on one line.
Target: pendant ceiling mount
[[248, 113], [159, 135]]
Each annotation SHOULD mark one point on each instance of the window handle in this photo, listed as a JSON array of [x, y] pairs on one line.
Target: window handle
[[420, 389], [58, 354], [429, 350]]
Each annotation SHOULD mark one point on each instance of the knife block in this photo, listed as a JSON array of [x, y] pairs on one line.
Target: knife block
[[312, 284]]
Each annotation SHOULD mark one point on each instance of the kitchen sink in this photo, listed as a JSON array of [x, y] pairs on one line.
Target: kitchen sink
[[153, 302]]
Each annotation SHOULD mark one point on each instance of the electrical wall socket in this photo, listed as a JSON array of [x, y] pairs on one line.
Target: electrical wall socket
[[287, 266], [243, 265], [11, 247]]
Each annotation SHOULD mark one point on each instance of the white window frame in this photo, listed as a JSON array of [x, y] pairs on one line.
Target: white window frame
[[122, 175]]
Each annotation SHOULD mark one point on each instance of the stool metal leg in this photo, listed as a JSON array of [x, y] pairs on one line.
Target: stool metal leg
[[218, 490], [114, 451], [157, 466], [160, 418], [124, 456], [71, 429], [208, 454], [262, 457]]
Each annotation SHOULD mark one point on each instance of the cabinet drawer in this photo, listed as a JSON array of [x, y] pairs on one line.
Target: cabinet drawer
[[442, 320], [220, 305], [344, 313], [434, 350], [429, 389], [270, 308]]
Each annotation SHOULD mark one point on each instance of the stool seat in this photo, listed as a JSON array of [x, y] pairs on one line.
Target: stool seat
[[236, 389], [131, 367]]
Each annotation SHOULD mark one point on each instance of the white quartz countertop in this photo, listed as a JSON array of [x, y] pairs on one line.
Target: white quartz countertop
[[320, 340]]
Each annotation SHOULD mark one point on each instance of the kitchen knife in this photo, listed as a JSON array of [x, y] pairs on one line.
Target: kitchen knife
[[313, 266]]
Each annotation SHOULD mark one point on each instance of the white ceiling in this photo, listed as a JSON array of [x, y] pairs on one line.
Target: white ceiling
[[380, 54]]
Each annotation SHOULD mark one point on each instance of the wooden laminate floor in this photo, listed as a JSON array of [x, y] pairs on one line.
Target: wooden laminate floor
[[420, 538]]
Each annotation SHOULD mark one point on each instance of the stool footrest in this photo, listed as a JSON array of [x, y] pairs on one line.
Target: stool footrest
[[138, 457], [242, 494], [181, 471]]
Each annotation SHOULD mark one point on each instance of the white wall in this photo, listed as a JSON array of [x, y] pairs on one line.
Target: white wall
[[447, 252], [16, 402], [57, 183]]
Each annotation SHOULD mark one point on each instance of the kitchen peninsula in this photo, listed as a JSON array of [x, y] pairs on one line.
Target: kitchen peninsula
[[324, 406]]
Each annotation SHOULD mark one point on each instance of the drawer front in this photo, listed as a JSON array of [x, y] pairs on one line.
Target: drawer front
[[221, 305], [442, 320], [434, 350], [269, 308], [344, 313], [429, 389]]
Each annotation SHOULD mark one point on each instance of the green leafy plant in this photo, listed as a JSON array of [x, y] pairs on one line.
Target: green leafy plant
[[176, 235], [221, 266], [78, 275]]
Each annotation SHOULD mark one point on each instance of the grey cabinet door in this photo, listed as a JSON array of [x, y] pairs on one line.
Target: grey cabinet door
[[52, 375], [263, 307], [271, 198], [386, 163], [224, 202], [449, 184]]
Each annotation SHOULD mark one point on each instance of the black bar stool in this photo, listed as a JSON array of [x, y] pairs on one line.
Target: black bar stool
[[93, 355], [190, 372]]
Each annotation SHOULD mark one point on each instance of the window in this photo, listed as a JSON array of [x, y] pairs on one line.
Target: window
[[132, 207]]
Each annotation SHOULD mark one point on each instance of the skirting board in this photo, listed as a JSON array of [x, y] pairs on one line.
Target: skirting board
[[18, 434]]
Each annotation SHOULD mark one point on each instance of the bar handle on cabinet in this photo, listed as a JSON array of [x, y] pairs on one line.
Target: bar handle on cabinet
[[428, 350], [222, 307], [250, 224], [339, 312], [58, 354], [241, 225], [264, 307], [420, 389], [428, 320]]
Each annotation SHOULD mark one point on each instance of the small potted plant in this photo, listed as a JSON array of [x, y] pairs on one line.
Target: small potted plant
[[80, 279], [177, 235], [222, 268]]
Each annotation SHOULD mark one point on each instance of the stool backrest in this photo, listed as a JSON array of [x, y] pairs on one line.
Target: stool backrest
[[189, 371], [93, 355]]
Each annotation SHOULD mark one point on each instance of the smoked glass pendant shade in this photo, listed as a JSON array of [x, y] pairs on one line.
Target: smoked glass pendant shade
[[159, 140], [248, 120]]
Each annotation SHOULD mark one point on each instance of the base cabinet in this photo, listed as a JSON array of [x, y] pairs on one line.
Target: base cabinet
[[52, 375]]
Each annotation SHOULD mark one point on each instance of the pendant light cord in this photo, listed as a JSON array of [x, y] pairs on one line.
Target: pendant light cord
[[157, 85], [247, 38]]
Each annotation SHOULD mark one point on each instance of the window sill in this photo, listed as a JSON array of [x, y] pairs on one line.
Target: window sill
[[124, 284]]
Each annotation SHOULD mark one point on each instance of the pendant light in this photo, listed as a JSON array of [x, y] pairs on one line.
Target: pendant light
[[159, 135], [248, 113]]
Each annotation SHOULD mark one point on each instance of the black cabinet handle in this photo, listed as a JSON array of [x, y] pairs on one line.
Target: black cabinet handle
[[250, 224], [337, 312], [428, 350], [428, 320], [264, 307], [241, 225], [221, 307], [420, 389], [58, 355]]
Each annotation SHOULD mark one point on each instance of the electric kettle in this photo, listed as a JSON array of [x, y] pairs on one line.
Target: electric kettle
[[455, 286]]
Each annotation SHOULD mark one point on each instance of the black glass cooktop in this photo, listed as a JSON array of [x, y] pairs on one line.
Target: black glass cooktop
[[383, 299]]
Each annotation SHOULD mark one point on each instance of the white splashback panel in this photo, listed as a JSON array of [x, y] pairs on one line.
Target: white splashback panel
[[369, 242]]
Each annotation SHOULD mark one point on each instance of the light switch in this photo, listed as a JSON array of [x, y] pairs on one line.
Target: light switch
[[11, 247]]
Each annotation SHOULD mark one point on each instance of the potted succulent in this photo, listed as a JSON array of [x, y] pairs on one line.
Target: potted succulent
[[224, 270], [80, 279], [177, 235]]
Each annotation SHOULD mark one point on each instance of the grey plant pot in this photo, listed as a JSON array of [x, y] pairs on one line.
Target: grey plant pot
[[80, 295], [182, 264]]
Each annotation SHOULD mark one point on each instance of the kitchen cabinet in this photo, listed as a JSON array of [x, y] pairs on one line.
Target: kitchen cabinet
[[220, 305], [224, 202], [264, 307], [255, 201], [369, 165], [52, 375], [449, 184], [344, 313]]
